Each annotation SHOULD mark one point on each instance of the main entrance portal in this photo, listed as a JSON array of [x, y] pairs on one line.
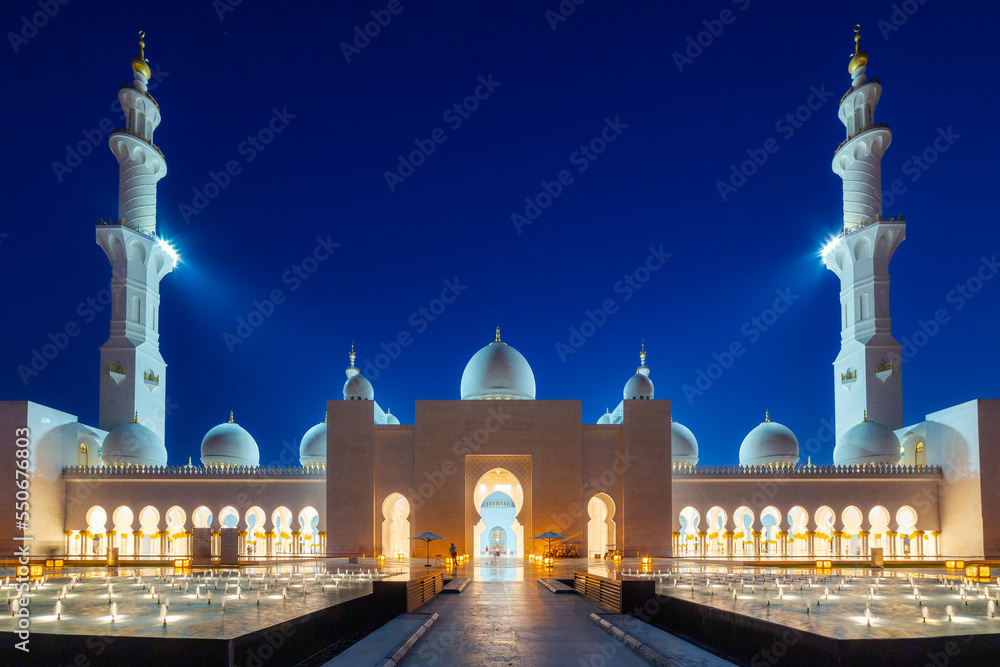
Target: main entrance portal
[[498, 499]]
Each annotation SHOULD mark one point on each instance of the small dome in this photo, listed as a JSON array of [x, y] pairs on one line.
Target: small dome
[[133, 444], [358, 388], [639, 386], [229, 444], [390, 418], [498, 371], [770, 444], [312, 449], [605, 418], [683, 445], [867, 442]]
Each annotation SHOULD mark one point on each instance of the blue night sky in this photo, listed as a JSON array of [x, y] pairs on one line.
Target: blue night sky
[[547, 90]]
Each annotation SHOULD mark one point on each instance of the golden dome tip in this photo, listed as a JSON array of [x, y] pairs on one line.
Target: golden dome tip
[[860, 58]]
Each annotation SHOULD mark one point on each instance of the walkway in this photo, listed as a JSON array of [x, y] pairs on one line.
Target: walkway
[[516, 623]]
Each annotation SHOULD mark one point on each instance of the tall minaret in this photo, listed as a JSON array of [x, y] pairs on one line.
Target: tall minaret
[[866, 373], [133, 374]]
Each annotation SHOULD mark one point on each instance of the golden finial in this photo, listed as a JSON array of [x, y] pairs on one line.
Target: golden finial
[[498, 336], [642, 353], [139, 63], [326, 415], [352, 356], [231, 417], [864, 416], [860, 58], [135, 420], [767, 415], [809, 461], [189, 462]]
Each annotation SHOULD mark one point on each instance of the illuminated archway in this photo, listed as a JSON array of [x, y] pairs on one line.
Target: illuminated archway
[[770, 524], [122, 520], [878, 518], [852, 518], [149, 524], [396, 526], [689, 520], [503, 481], [281, 520], [825, 519], [97, 518], [176, 522], [744, 520], [716, 528], [601, 530], [256, 531], [798, 526]]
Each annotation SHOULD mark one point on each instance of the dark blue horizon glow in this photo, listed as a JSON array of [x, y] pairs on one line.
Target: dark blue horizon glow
[[246, 215]]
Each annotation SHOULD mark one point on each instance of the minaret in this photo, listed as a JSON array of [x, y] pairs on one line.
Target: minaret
[[133, 374], [866, 373]]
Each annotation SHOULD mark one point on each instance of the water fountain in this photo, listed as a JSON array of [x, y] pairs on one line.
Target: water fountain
[[950, 610], [924, 612], [991, 609], [210, 597], [114, 611], [163, 615], [58, 610]]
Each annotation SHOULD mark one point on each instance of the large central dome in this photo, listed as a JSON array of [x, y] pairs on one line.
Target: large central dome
[[498, 371]]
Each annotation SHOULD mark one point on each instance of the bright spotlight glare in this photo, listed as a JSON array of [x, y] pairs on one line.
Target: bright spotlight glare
[[828, 246], [170, 250]]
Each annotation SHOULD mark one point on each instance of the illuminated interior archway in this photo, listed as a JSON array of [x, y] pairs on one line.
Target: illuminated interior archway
[[149, 524], [503, 481], [122, 520], [601, 529], [396, 526]]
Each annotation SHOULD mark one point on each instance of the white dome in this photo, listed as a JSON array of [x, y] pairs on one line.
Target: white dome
[[312, 449], [683, 445], [229, 444], [867, 442], [498, 371], [390, 418], [769, 443], [133, 444], [605, 418], [639, 386], [358, 388]]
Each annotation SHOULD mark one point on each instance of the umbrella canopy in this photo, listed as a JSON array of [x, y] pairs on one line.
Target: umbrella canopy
[[427, 537], [548, 536]]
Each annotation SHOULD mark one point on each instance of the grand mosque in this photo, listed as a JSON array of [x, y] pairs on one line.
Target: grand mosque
[[494, 466]]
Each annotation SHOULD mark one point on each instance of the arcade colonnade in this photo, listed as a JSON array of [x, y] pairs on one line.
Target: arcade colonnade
[[796, 532], [154, 531]]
